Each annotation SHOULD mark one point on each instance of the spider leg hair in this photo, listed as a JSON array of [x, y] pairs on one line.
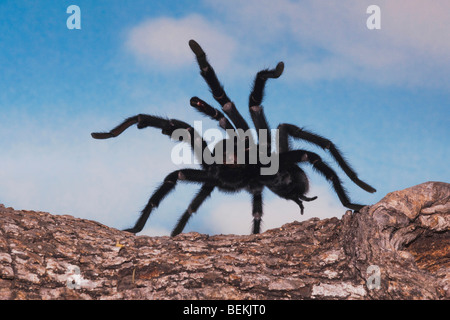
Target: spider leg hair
[[202, 195], [188, 175], [211, 112], [258, 118], [257, 212], [256, 97], [320, 166], [167, 126], [207, 72], [260, 122], [259, 83], [286, 130], [232, 112]]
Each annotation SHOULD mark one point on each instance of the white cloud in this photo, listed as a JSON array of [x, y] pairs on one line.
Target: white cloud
[[317, 40], [419, 27], [163, 42], [330, 39]]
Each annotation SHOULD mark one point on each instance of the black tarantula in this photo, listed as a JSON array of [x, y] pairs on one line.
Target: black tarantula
[[289, 181]]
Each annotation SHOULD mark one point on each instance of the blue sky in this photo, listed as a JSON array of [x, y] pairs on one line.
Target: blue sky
[[382, 96]]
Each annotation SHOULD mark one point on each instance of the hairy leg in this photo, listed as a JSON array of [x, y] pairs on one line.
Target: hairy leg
[[117, 130], [321, 167], [211, 112], [257, 212], [207, 72], [189, 175], [167, 126], [255, 100], [257, 94], [285, 130], [204, 193]]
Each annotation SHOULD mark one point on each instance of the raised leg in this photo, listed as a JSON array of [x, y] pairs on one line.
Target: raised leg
[[211, 112], [257, 94], [208, 74], [239, 122], [322, 168], [189, 175], [255, 100], [204, 193], [216, 87], [262, 129], [285, 130], [283, 139]]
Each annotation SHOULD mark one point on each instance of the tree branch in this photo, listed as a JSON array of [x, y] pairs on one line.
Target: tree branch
[[395, 249]]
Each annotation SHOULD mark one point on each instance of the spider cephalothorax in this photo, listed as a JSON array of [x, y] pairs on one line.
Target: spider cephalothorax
[[288, 181]]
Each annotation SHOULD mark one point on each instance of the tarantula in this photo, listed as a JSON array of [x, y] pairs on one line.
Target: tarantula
[[288, 182]]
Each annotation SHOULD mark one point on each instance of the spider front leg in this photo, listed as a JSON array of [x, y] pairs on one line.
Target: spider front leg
[[204, 193], [117, 130], [211, 112], [207, 72], [255, 100], [317, 163], [189, 175], [257, 94], [167, 126], [143, 120]]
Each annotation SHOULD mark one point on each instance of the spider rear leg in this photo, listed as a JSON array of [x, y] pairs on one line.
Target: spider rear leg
[[189, 175], [321, 167], [285, 130]]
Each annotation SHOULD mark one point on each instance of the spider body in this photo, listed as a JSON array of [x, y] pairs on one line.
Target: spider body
[[242, 166]]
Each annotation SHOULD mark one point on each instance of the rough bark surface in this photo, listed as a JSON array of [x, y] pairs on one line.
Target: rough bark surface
[[398, 248]]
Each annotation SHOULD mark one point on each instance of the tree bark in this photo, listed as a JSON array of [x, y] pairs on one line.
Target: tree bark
[[398, 248]]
